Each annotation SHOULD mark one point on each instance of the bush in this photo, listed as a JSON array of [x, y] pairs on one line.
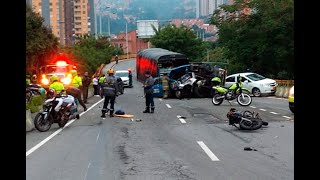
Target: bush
[[35, 102]]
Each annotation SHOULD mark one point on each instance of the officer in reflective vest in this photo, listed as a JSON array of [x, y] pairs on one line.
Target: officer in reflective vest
[[165, 86], [110, 89]]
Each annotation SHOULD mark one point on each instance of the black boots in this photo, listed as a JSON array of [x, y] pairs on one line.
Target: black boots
[[148, 110], [103, 113], [111, 113]]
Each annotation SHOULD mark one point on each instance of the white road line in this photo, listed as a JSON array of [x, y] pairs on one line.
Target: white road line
[[263, 110], [57, 132], [236, 102], [253, 107], [181, 119], [160, 99], [208, 151], [273, 113], [278, 98], [287, 117], [98, 136], [168, 106], [85, 177]]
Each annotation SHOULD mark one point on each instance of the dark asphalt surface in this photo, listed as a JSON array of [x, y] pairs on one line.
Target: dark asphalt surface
[[160, 146]]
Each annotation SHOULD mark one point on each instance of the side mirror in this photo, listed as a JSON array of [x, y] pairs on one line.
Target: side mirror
[[246, 81]]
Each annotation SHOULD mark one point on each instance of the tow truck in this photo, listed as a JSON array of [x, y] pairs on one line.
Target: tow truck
[[61, 68]]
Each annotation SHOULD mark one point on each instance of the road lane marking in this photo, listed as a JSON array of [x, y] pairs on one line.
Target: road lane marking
[[168, 106], [236, 102], [160, 99], [273, 113], [263, 110], [57, 132], [181, 119], [253, 107], [85, 177], [278, 98], [208, 151], [287, 117]]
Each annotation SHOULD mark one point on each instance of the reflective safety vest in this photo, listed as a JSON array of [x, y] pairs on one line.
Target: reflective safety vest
[[57, 86], [165, 83], [101, 80], [76, 81]]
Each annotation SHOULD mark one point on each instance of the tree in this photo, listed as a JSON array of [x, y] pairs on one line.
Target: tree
[[41, 44], [181, 40], [258, 34], [90, 52]]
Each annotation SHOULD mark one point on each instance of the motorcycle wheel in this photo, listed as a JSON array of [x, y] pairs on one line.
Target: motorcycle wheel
[[62, 123], [42, 124], [246, 125], [178, 94], [242, 101], [216, 101]]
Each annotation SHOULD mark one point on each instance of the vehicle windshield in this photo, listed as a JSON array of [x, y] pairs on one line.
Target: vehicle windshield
[[122, 74], [255, 77]]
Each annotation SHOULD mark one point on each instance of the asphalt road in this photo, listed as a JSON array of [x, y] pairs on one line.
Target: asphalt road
[[160, 146]]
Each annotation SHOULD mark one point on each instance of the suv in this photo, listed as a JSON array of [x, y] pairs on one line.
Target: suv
[[291, 99]]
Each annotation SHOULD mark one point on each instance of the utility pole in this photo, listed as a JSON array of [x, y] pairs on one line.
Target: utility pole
[[127, 40]]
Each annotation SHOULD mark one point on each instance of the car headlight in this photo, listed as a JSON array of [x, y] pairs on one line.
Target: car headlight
[[45, 81], [291, 92], [66, 80]]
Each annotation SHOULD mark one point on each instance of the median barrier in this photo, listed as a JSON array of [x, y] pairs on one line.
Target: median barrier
[[286, 92], [29, 121], [279, 92]]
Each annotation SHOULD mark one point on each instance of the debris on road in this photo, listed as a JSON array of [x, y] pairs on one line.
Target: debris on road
[[249, 149]]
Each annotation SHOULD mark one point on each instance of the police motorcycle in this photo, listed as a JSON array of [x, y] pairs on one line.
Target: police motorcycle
[[247, 120], [235, 91], [58, 109]]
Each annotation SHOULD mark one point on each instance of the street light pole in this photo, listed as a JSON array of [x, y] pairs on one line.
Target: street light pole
[[127, 39]]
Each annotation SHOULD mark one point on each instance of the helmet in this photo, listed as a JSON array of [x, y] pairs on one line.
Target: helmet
[[54, 78], [110, 71], [129, 70], [42, 91], [73, 72], [51, 93], [217, 79]]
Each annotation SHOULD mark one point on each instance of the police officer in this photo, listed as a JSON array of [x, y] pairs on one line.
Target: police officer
[[55, 84], [86, 81], [117, 59], [130, 78], [100, 82], [148, 91], [110, 89], [77, 83]]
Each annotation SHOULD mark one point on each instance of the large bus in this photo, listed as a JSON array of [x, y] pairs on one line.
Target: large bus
[[157, 60]]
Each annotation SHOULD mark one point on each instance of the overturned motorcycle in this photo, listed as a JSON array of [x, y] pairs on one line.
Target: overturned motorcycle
[[247, 120], [58, 109]]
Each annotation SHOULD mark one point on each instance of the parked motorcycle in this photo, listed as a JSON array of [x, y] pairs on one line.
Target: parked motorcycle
[[32, 90], [236, 91], [49, 115], [183, 85], [247, 120]]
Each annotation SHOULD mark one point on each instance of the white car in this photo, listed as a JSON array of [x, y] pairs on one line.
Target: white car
[[254, 82], [124, 75]]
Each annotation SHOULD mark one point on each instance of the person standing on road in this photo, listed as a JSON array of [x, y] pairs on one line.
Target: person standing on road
[[110, 89], [95, 85], [148, 91], [77, 83], [130, 78], [100, 82], [117, 59], [85, 86]]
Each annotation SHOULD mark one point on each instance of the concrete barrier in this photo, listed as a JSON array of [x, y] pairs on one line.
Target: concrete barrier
[[286, 92], [29, 121]]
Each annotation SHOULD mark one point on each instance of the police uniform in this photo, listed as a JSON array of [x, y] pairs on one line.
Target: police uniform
[[110, 89]]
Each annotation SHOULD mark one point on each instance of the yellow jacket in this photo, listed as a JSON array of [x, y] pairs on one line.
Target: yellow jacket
[[57, 86], [76, 81]]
